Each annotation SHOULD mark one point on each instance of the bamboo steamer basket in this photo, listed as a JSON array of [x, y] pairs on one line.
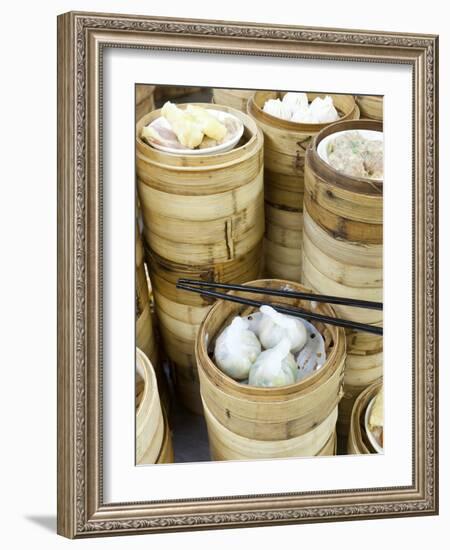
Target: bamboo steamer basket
[[343, 256], [149, 417], [285, 143], [238, 415], [371, 106], [237, 99], [145, 100], [203, 209], [358, 442], [226, 445], [203, 219]]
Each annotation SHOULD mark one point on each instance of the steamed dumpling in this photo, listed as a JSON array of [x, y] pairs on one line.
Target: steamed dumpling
[[274, 367], [276, 107], [303, 115], [236, 349], [253, 321], [295, 101], [323, 110], [275, 326]]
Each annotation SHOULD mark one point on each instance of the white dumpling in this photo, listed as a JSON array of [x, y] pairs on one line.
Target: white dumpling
[[275, 326], [323, 110], [274, 367], [236, 349], [295, 101], [276, 107], [253, 321], [303, 115]]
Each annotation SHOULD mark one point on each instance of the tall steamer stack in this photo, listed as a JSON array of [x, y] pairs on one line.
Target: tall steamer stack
[[285, 144], [343, 256], [204, 219]]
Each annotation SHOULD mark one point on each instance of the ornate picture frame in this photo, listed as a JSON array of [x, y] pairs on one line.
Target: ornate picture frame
[[81, 39]]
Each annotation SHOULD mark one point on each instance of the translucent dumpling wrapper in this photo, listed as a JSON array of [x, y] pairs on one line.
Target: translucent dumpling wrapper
[[277, 108], [303, 115], [253, 321], [274, 367], [296, 101], [323, 110], [236, 349], [275, 326]]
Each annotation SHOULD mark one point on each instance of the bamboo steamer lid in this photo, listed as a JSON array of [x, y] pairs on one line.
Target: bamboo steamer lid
[[269, 413]]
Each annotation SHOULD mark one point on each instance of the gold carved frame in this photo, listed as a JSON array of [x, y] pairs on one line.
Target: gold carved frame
[[81, 39]]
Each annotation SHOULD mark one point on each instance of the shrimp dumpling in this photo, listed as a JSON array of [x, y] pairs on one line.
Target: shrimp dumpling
[[275, 326], [274, 367], [236, 349], [323, 110], [296, 101], [277, 108]]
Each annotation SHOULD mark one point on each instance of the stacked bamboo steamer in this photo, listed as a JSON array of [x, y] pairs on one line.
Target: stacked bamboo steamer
[[145, 336], [371, 106], [237, 99], [358, 441], [145, 100], [343, 256], [285, 143], [203, 219], [247, 422], [153, 437]]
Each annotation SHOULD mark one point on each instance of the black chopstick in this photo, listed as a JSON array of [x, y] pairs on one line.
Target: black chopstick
[[286, 310], [287, 294]]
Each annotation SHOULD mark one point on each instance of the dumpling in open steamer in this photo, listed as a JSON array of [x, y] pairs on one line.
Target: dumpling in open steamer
[[275, 326], [236, 349], [274, 367]]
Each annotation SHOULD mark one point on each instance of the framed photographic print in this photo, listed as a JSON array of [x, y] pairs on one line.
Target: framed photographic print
[[247, 283]]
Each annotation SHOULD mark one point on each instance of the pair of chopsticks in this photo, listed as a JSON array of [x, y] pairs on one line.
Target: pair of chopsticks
[[203, 288]]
